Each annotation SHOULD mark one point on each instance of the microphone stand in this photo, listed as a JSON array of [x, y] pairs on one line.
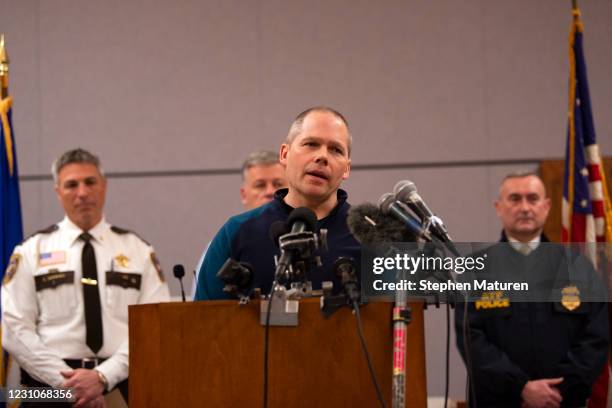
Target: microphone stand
[[402, 314]]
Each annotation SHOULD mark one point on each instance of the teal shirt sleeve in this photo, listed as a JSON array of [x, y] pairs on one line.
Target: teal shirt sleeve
[[209, 287]]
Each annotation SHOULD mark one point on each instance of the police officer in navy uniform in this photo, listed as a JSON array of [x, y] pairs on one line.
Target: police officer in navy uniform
[[66, 292], [531, 354]]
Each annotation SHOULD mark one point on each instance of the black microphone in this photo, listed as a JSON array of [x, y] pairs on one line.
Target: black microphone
[[277, 229], [370, 226], [406, 192], [179, 272], [237, 277], [389, 205], [300, 220], [346, 269]]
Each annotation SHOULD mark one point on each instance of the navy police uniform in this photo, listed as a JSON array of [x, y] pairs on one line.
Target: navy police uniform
[[515, 342]]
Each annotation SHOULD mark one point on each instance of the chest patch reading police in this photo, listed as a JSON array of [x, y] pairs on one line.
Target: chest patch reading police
[[492, 300], [570, 297], [51, 258]]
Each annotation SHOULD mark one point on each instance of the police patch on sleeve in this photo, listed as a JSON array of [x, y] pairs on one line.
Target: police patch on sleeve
[[157, 266], [12, 268]]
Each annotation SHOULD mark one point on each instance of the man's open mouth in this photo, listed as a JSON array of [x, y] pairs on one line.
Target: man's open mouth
[[318, 174]]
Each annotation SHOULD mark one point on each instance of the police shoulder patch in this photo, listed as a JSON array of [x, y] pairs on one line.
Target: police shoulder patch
[[157, 265], [12, 268]]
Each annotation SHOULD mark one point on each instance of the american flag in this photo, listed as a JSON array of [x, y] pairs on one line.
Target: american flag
[[584, 182], [586, 210]]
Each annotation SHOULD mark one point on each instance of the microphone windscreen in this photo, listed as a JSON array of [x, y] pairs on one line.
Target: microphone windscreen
[[178, 271], [277, 228], [305, 215], [371, 227]]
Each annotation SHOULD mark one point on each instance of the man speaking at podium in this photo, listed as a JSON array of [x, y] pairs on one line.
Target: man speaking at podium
[[316, 158], [66, 291]]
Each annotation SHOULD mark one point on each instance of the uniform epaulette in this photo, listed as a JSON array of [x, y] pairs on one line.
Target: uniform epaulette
[[47, 230], [123, 231]]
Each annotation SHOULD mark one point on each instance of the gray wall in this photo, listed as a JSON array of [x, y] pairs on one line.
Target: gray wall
[[159, 86]]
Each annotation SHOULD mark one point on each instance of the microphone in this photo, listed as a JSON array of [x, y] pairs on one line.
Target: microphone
[[370, 226], [346, 269], [389, 205], [237, 277], [277, 229], [179, 272], [406, 192], [301, 220]]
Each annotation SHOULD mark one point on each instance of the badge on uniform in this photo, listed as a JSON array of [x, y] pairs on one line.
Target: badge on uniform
[[570, 297], [157, 266], [122, 260], [51, 258], [12, 268]]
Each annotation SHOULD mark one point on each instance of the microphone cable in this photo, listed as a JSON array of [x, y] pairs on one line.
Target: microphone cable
[[267, 345], [367, 354], [467, 347], [446, 379]]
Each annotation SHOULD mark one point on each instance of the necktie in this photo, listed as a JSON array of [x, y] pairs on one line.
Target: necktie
[[91, 295], [525, 248]]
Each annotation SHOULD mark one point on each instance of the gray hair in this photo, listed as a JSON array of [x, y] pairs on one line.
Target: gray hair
[[77, 155], [296, 126], [259, 158]]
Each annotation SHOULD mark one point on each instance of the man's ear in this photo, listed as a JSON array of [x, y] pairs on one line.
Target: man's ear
[[242, 195], [347, 172], [548, 204], [282, 154]]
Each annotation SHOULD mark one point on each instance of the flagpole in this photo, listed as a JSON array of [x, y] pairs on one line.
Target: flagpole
[[4, 69]]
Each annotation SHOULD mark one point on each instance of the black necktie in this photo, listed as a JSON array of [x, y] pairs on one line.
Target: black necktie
[[91, 295]]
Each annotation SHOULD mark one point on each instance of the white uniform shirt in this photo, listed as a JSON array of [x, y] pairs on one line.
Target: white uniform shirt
[[42, 327]]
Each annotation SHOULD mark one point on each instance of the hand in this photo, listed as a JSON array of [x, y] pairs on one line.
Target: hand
[[98, 402], [541, 393], [85, 384]]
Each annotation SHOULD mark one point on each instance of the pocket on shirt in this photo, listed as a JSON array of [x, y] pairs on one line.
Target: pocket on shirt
[[122, 290], [56, 292]]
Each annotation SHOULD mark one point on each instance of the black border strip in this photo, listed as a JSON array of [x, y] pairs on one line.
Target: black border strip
[[362, 167]]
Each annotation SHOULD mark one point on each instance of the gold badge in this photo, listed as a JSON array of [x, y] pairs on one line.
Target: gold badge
[[492, 300], [12, 268], [122, 260], [157, 266], [570, 297]]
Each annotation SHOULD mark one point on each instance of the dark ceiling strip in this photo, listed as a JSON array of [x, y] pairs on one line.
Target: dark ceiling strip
[[357, 167]]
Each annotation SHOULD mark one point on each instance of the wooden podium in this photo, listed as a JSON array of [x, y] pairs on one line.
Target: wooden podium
[[211, 354]]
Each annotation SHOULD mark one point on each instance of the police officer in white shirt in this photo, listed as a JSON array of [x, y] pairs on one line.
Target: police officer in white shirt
[[66, 291]]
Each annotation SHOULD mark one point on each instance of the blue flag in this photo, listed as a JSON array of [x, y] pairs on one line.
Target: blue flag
[[11, 230]]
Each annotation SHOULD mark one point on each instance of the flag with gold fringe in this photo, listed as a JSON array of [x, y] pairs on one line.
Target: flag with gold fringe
[[586, 210]]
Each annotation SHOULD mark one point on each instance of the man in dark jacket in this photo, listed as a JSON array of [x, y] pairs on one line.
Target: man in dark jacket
[[316, 158], [531, 354]]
